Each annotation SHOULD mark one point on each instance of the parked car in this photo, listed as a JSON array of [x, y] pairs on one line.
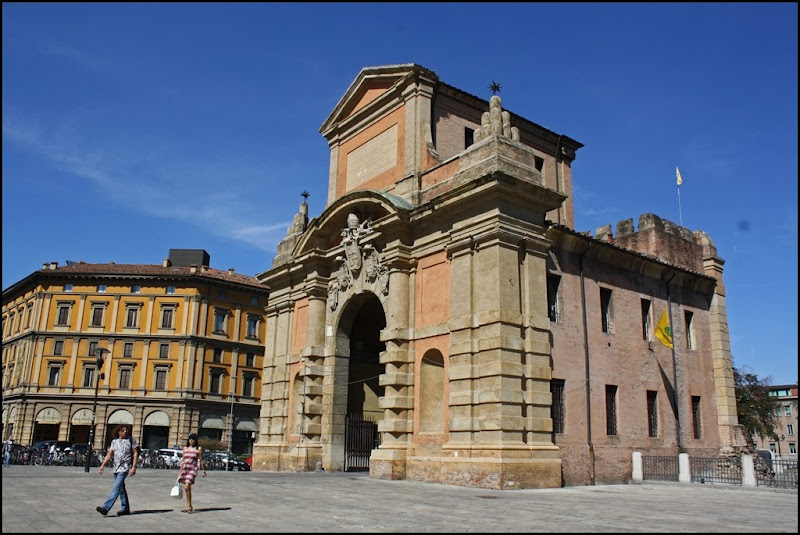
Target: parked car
[[249, 461], [44, 445], [231, 463], [171, 457]]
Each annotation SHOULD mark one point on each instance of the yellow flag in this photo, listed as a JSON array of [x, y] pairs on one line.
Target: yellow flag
[[663, 331], [678, 175]]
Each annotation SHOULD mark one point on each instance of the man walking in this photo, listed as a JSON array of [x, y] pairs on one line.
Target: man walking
[[124, 450]]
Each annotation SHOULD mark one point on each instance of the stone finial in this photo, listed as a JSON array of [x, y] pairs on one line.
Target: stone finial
[[496, 122]]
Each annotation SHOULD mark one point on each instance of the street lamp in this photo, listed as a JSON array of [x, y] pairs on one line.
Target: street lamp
[[98, 352], [233, 397], [781, 439]]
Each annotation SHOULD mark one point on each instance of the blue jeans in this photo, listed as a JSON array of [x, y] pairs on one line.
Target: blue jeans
[[6, 458], [118, 491]]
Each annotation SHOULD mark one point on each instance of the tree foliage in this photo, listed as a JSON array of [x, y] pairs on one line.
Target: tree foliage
[[757, 410]]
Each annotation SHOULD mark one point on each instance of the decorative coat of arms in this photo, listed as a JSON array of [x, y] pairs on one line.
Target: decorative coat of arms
[[356, 257]]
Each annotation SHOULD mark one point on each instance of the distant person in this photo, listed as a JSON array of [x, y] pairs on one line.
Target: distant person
[[51, 454], [8, 445], [191, 462], [126, 454]]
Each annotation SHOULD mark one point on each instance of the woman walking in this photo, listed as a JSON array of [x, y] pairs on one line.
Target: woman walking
[[191, 462]]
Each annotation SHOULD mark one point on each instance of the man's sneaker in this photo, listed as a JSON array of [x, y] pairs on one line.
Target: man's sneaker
[[123, 512], [102, 510]]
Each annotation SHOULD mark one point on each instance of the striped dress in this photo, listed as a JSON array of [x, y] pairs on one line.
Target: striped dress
[[190, 465]]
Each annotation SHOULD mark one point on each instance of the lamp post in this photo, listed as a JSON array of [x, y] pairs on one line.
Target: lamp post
[[98, 352], [3, 426], [780, 439], [233, 397]]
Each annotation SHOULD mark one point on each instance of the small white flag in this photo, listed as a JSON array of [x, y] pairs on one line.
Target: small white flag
[[678, 175]]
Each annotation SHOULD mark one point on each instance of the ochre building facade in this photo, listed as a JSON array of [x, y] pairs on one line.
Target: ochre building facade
[[442, 320], [182, 344]]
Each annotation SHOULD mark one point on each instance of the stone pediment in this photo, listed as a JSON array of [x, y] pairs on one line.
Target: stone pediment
[[369, 86]]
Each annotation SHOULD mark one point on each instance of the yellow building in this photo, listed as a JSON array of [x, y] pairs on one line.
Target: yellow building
[[183, 345]]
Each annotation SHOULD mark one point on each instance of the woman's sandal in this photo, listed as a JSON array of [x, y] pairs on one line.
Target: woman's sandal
[[189, 510]]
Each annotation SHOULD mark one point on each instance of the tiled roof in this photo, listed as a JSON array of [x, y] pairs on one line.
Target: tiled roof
[[151, 271]]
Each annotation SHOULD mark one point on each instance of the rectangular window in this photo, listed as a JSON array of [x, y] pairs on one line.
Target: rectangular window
[[787, 410], [773, 448], [54, 375], [132, 317], [469, 137], [557, 408], [645, 319], [58, 347], [611, 409], [605, 309], [29, 317], [128, 350], [214, 387], [247, 386], [63, 314], [220, 316], [553, 309], [125, 378], [92, 348], [136, 289], [652, 413], [696, 417], [68, 287], [97, 316], [252, 326], [217, 355], [170, 290], [163, 351], [250, 360], [101, 288], [167, 315], [789, 429], [88, 376], [691, 343], [792, 448], [161, 379]]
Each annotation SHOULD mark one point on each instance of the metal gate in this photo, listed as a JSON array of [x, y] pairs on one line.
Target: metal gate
[[360, 438]]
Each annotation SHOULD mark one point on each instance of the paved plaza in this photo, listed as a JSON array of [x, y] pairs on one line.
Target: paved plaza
[[63, 500]]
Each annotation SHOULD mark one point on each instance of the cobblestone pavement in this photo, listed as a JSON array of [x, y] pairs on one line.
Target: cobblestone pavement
[[63, 500]]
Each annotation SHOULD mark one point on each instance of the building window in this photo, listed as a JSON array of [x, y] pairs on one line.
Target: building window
[[163, 351], [167, 316], [696, 417], [160, 379], [773, 448], [214, 387], [247, 386], [92, 348], [58, 347], [29, 317], [252, 326], [68, 287], [652, 413], [132, 316], [691, 343], [127, 351], [553, 310], [469, 137], [557, 408], [170, 290], [101, 288], [611, 409], [125, 378], [787, 410], [789, 429], [645, 319], [217, 355], [54, 375], [97, 315], [88, 376], [792, 448], [605, 309], [63, 313], [250, 360], [220, 315], [136, 289]]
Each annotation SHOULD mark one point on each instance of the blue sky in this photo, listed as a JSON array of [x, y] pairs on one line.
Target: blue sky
[[133, 128]]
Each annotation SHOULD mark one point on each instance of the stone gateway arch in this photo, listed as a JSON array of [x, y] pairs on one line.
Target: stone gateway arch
[[443, 300]]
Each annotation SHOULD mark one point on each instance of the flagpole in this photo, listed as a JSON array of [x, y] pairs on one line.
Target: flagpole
[[674, 371], [680, 213]]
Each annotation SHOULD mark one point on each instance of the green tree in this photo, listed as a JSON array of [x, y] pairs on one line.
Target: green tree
[[757, 410]]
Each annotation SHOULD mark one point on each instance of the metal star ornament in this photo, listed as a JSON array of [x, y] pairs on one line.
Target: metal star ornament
[[305, 194], [495, 87]]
